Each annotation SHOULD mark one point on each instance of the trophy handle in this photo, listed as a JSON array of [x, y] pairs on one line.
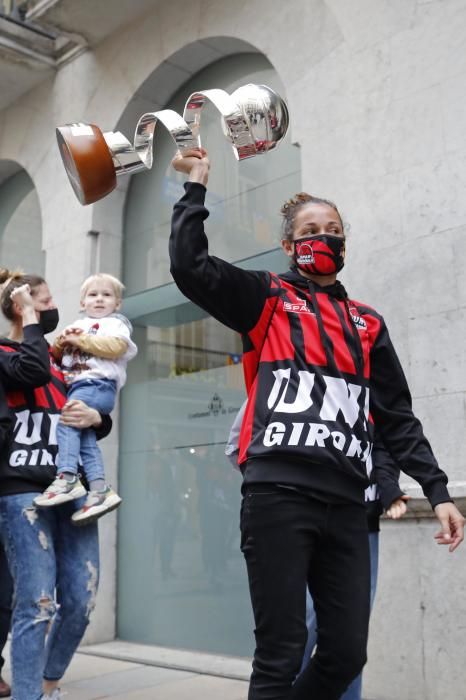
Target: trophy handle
[[131, 158], [176, 126], [235, 126]]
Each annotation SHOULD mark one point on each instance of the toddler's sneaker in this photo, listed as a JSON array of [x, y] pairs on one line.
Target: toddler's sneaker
[[97, 504], [56, 695], [61, 490]]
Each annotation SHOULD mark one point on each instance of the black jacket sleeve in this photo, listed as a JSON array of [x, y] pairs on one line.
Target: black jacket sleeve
[[29, 366], [6, 421], [105, 427], [400, 430], [385, 473], [233, 296]]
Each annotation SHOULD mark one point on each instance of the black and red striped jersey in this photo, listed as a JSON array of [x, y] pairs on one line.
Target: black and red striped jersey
[[319, 369], [384, 486], [35, 393]]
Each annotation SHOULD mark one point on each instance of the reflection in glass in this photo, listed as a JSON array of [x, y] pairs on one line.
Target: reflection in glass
[[182, 580]]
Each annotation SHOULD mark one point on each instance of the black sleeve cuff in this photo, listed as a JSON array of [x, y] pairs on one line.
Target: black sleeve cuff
[[388, 494], [196, 192], [438, 493], [105, 427]]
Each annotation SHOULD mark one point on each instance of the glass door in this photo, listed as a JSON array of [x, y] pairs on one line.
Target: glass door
[[182, 579]]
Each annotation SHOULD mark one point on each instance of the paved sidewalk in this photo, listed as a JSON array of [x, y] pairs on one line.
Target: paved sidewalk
[[94, 677]]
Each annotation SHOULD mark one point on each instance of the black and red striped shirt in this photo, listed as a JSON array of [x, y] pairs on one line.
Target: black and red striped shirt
[[319, 369]]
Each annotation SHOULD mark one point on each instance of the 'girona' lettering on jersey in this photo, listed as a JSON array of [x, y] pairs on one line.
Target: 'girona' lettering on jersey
[[305, 403]]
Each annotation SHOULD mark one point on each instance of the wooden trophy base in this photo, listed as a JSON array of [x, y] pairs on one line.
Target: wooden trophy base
[[87, 160]]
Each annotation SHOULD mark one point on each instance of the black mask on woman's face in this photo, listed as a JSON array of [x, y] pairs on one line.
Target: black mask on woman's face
[[48, 320], [320, 254]]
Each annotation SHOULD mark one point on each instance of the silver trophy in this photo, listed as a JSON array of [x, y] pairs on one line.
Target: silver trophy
[[254, 120]]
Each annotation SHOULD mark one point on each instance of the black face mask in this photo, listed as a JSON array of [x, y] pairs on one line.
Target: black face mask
[[48, 320]]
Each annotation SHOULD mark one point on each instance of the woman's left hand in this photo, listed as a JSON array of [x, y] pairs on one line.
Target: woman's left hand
[[77, 414], [452, 523]]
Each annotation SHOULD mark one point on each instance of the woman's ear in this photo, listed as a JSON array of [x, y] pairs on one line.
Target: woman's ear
[[288, 247]]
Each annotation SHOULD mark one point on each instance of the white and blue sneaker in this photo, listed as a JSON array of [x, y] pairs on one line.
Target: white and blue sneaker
[[56, 695], [97, 504], [61, 490]]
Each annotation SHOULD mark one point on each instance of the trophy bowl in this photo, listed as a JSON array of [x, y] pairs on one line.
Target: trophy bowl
[[266, 114]]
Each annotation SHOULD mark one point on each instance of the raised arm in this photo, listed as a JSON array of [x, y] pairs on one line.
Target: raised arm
[[233, 296], [29, 365]]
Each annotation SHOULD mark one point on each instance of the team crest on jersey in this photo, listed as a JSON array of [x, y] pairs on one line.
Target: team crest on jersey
[[358, 320], [299, 308]]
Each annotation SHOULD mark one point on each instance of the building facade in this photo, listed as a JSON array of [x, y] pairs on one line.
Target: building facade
[[377, 114]]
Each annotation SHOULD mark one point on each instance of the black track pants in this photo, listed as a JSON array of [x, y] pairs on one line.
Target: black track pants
[[289, 541]]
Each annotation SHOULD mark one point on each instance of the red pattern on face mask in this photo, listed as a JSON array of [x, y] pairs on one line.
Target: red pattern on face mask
[[313, 255]]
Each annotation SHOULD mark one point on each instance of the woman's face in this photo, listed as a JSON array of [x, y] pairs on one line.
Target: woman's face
[[313, 219], [42, 299]]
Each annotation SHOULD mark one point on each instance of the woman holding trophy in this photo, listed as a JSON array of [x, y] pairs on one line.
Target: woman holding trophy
[[319, 369]]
